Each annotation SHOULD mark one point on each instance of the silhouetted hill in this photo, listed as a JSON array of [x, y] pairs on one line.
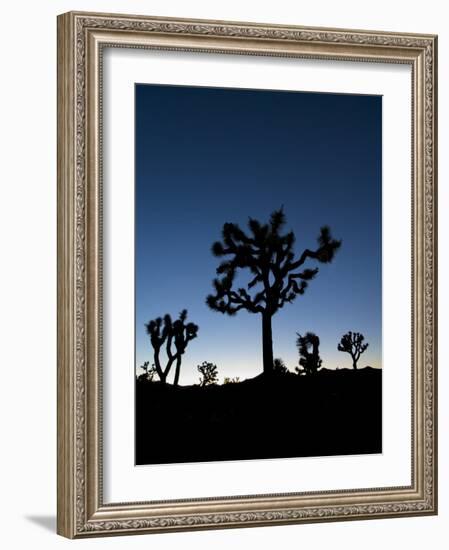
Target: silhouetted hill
[[334, 412]]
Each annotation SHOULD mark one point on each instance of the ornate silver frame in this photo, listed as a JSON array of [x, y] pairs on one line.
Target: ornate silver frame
[[81, 510]]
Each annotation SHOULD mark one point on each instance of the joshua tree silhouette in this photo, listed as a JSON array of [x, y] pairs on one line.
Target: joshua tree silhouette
[[209, 373], [270, 258], [175, 335], [353, 343], [309, 355]]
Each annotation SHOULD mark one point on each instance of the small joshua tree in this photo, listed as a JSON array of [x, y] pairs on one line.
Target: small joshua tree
[[278, 276], [209, 373], [353, 343], [309, 355], [174, 336]]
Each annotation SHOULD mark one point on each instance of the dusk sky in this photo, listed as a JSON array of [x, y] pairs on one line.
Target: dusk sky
[[206, 156]]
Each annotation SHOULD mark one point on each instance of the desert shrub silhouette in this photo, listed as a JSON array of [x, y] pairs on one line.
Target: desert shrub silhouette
[[228, 380], [148, 373], [279, 367], [354, 344], [174, 336], [277, 276]]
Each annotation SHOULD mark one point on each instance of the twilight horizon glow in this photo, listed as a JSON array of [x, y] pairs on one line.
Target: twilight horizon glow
[[206, 156]]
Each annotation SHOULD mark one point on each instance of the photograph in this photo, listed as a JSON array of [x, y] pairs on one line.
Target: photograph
[[258, 274], [247, 273]]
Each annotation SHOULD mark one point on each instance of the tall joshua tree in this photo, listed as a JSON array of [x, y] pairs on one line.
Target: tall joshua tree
[[353, 343], [309, 355], [277, 276], [174, 336]]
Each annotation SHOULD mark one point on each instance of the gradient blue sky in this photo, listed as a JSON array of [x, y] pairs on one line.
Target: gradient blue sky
[[205, 156]]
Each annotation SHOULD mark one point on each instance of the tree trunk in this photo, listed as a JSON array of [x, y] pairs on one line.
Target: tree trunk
[[354, 364], [177, 370], [162, 375], [267, 344]]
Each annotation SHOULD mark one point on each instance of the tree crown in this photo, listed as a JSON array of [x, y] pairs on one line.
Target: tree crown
[[277, 277], [164, 329]]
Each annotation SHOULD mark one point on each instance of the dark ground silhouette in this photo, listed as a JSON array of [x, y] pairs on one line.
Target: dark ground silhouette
[[284, 415]]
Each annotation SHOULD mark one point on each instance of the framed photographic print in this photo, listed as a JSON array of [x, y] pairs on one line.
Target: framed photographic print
[[246, 276]]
